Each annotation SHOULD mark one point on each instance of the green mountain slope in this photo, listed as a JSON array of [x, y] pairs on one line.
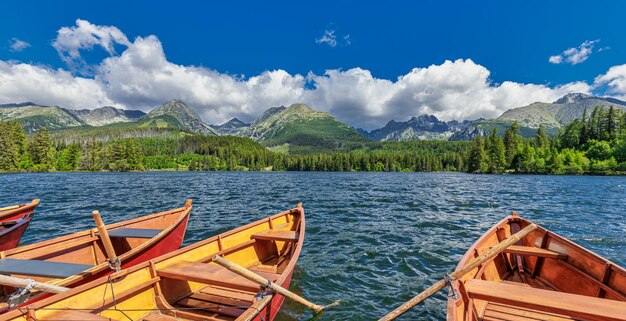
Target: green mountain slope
[[300, 125], [561, 112], [176, 114], [35, 117]]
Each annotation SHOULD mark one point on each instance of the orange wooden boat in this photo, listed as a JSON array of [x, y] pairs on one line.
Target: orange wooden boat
[[542, 277], [185, 284], [11, 231], [80, 257], [15, 212]]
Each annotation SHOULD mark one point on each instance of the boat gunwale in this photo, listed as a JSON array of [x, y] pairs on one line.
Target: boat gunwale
[[20, 208]]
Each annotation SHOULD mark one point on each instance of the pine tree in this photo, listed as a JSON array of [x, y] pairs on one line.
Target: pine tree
[[477, 162], [40, 150], [9, 155], [497, 153], [512, 140], [541, 138], [611, 124]]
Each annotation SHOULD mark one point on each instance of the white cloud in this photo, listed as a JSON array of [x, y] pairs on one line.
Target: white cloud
[[20, 82], [458, 89], [576, 55], [17, 45], [328, 38], [141, 77], [84, 36], [615, 80], [331, 39]]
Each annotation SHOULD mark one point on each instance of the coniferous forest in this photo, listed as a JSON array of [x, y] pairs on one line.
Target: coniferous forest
[[595, 144]]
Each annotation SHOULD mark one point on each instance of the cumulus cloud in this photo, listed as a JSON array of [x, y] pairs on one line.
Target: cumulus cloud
[[84, 36], [141, 77], [576, 55], [458, 89], [17, 45], [615, 80]]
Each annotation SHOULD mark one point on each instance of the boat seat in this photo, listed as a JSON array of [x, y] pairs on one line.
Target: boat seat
[[141, 233], [73, 315], [534, 251], [276, 235], [157, 316], [501, 312], [212, 274], [572, 305], [57, 270]]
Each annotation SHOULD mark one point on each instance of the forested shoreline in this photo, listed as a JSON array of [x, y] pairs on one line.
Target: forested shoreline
[[595, 144]]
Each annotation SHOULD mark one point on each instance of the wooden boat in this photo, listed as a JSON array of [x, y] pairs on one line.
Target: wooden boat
[[186, 284], [15, 212], [542, 277], [80, 257], [11, 231]]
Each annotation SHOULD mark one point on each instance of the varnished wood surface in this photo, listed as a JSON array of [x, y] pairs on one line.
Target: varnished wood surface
[[542, 261]]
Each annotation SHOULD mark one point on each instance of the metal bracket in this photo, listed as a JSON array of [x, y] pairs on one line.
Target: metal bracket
[[21, 295], [451, 292], [263, 289], [115, 264]]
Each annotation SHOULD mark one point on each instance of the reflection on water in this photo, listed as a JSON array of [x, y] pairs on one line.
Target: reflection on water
[[373, 239]]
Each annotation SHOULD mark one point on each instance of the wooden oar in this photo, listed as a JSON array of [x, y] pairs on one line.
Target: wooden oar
[[106, 241], [263, 281], [457, 274], [24, 283]]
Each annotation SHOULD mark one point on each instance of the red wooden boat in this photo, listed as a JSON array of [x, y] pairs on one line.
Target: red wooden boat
[[11, 231], [186, 284], [543, 277], [15, 212], [80, 257]]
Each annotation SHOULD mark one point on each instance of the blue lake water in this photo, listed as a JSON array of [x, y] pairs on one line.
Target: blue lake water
[[373, 239]]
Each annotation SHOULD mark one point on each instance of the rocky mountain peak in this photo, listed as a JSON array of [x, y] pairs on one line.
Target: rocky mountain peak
[[572, 98]]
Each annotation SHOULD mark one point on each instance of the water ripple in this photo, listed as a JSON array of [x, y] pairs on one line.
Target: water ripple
[[373, 239]]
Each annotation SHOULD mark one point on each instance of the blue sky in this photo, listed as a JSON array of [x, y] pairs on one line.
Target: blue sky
[[513, 40]]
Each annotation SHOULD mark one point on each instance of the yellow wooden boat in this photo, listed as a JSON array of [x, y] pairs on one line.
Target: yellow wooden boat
[[186, 284]]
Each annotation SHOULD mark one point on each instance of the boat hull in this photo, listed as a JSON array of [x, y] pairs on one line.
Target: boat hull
[[540, 264], [11, 236], [19, 212]]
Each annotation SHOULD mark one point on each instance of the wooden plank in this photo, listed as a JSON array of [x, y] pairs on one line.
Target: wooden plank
[[578, 306], [213, 307], [159, 317], [73, 315], [220, 299], [535, 251], [211, 274], [515, 313], [234, 294], [276, 235]]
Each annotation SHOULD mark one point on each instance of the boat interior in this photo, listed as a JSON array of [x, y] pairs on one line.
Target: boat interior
[[542, 277], [82, 252], [186, 284]]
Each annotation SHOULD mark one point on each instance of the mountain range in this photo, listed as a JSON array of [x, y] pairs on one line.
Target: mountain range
[[299, 125]]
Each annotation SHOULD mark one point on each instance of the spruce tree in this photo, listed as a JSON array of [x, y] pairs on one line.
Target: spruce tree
[[9, 155], [477, 162], [497, 153], [512, 140]]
